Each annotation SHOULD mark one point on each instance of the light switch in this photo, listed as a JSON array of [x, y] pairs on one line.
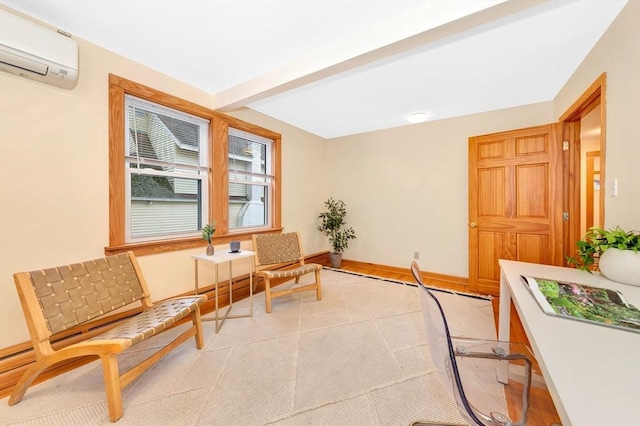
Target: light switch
[[613, 188]]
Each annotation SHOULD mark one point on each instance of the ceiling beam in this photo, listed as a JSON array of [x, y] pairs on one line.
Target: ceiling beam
[[422, 26]]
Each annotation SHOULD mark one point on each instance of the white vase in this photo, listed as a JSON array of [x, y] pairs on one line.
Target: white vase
[[622, 266]]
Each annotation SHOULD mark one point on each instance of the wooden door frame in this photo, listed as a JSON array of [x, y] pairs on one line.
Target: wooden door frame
[[592, 97], [591, 155]]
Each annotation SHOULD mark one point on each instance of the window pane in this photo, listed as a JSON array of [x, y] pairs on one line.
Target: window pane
[[163, 205], [164, 148], [157, 137], [246, 155], [249, 180], [248, 210]]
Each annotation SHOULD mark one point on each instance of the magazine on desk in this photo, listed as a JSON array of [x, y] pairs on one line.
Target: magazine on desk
[[584, 303]]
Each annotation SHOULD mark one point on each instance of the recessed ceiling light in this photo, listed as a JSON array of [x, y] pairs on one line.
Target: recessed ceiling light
[[418, 117]]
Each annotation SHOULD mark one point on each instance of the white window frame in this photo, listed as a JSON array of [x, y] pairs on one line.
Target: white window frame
[[253, 178], [198, 173]]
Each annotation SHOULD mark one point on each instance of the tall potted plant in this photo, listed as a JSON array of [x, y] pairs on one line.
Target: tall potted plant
[[615, 252], [332, 224]]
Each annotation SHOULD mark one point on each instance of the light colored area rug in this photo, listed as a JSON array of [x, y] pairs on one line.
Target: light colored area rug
[[358, 357]]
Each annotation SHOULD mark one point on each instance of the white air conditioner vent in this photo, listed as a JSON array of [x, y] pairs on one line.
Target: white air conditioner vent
[[32, 51]]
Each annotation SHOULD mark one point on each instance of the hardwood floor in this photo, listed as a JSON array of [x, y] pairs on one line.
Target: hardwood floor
[[542, 411]]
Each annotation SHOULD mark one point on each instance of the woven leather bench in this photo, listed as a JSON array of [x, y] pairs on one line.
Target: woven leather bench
[[56, 299]]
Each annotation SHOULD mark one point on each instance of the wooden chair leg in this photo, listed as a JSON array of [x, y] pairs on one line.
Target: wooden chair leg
[[197, 322], [319, 286], [25, 381], [112, 386], [267, 294]]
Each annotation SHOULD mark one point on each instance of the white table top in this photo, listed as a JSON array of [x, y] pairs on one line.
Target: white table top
[[222, 256], [592, 371]]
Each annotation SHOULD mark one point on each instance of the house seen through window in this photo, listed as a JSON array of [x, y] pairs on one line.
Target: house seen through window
[[166, 171], [175, 166], [250, 180]]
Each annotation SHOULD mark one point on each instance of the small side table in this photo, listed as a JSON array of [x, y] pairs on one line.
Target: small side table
[[217, 259]]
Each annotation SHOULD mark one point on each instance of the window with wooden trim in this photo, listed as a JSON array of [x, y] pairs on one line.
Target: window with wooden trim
[[175, 166], [166, 167], [250, 180]]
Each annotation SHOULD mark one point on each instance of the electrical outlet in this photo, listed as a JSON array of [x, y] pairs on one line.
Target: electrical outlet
[[416, 255]]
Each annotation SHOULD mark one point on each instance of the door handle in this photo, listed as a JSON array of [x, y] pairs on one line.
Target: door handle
[[473, 225]]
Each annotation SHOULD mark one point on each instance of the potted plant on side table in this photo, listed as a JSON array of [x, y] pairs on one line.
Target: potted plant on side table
[[615, 252], [332, 222], [207, 234]]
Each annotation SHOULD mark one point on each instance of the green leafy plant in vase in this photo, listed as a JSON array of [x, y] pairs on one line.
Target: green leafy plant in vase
[[614, 252], [332, 225], [207, 234]]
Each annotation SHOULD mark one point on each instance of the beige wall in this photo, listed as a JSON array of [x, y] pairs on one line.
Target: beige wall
[[618, 54], [406, 188], [304, 178], [54, 179]]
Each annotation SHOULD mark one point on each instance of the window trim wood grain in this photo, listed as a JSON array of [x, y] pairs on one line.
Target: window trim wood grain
[[218, 178]]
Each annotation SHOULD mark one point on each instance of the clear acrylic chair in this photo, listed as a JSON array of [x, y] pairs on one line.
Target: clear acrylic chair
[[480, 402]]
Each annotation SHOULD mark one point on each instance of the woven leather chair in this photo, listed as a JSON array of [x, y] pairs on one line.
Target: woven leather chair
[[463, 384], [274, 249], [57, 299]]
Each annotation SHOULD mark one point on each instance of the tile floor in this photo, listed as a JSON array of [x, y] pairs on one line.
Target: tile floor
[[359, 356]]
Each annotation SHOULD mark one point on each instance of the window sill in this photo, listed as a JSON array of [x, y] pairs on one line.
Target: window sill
[[164, 246]]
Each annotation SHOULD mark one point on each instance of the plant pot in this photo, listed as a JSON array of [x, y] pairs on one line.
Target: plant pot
[[622, 266], [210, 250], [336, 260]]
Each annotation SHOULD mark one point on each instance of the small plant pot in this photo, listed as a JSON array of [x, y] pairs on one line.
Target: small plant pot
[[336, 260], [210, 250]]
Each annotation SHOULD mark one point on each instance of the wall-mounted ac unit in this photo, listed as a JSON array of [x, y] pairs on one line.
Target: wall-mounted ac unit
[[37, 53]]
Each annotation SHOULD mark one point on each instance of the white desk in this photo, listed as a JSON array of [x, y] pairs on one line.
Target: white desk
[[229, 258], [592, 372]]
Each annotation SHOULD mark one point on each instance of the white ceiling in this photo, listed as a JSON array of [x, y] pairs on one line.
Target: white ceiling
[[340, 67]]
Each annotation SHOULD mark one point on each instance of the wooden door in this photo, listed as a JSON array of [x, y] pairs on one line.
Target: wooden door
[[515, 201]]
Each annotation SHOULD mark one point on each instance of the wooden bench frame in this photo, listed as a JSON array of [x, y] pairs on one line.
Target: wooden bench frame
[[274, 249], [59, 298]]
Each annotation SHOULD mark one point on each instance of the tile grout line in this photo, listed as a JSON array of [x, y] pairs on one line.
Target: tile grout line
[[295, 362]]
